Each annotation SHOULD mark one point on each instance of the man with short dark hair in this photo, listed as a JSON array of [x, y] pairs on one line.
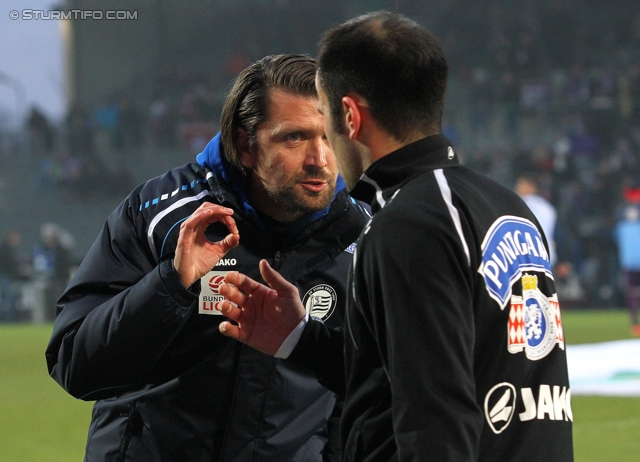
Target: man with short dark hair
[[137, 329], [454, 349]]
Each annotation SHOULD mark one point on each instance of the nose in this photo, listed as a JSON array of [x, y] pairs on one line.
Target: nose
[[317, 153]]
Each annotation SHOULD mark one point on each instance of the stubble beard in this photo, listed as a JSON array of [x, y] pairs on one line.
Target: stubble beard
[[293, 198]]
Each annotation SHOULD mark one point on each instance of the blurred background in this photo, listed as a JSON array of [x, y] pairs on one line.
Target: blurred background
[[90, 107]]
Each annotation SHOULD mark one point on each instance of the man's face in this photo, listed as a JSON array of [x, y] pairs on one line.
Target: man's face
[[294, 169], [348, 157]]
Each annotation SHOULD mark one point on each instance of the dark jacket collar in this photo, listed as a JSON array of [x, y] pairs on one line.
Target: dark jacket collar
[[387, 174]]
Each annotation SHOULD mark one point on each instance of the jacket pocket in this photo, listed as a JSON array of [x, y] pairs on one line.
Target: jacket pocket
[[133, 429]]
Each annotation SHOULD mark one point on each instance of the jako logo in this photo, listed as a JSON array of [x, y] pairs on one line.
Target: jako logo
[[502, 399], [554, 403], [227, 262], [214, 283]]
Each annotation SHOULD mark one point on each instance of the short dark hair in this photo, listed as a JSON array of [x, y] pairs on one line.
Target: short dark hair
[[247, 102], [391, 61]]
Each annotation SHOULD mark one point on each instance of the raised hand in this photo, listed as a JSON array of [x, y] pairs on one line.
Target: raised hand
[[265, 315], [195, 254]]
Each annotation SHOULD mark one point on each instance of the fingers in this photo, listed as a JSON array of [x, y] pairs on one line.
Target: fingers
[[274, 279], [197, 223], [215, 208], [232, 293], [209, 213], [242, 282], [230, 223], [230, 241], [228, 329], [229, 310]]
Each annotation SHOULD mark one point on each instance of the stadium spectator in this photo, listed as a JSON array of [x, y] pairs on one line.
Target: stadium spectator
[[53, 255], [161, 122], [585, 150], [41, 134], [628, 238], [78, 127], [633, 82], [570, 291], [105, 120], [137, 328], [128, 132], [10, 274], [53, 262], [454, 340], [527, 188]]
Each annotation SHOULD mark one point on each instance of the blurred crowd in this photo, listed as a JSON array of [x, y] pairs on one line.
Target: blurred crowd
[[548, 88], [555, 92], [31, 280]]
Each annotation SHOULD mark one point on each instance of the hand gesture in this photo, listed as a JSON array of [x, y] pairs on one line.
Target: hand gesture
[[265, 316], [195, 254]]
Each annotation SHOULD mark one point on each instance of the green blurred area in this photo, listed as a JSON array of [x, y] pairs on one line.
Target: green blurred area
[[594, 326], [604, 428], [39, 422]]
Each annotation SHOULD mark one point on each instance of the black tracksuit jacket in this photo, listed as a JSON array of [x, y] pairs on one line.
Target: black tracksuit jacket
[[168, 385], [453, 336]]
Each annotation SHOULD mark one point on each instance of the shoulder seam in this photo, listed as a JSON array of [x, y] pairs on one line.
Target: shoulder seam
[[445, 190]]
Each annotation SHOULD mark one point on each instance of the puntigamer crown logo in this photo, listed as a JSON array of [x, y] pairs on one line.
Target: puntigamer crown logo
[[529, 282]]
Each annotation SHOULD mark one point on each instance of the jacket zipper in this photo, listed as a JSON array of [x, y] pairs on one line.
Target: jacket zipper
[[277, 260], [133, 428]]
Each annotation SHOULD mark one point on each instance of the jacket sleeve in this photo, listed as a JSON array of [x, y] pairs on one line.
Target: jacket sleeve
[[321, 348], [419, 306], [118, 314]]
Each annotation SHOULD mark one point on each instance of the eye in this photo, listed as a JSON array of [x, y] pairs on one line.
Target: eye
[[294, 137]]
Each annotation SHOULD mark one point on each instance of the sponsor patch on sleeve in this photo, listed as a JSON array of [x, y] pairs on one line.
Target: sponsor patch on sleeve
[[514, 256], [535, 326], [209, 295], [537, 402], [512, 246]]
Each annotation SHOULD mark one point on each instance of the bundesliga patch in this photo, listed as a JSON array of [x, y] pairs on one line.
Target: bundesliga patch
[[209, 295], [535, 326], [320, 301]]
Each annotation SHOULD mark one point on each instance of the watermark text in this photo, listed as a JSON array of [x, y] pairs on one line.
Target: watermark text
[[42, 15]]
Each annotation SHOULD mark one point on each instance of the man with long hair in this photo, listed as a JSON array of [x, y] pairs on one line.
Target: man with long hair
[[137, 329]]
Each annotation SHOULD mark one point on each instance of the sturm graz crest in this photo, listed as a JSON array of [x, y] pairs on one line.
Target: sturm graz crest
[[320, 301]]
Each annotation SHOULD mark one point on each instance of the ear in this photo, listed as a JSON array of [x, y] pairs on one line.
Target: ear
[[352, 117], [242, 145]]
